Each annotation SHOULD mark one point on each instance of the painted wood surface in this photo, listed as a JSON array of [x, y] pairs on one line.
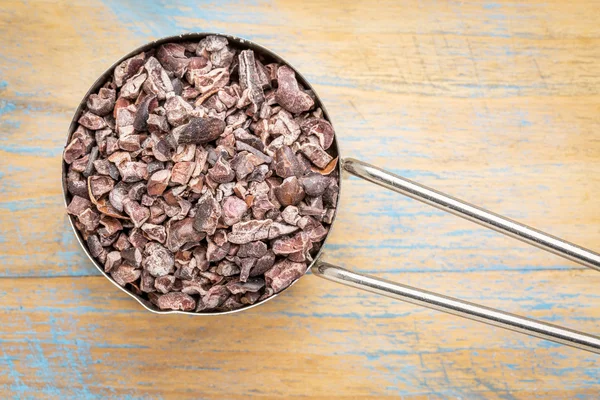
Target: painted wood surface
[[495, 102]]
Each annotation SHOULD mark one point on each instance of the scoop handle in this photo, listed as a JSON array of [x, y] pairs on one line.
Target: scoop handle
[[457, 307], [454, 306], [473, 213]]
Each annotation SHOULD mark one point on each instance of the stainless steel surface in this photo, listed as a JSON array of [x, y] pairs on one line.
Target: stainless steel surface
[[458, 307], [473, 213], [196, 37]]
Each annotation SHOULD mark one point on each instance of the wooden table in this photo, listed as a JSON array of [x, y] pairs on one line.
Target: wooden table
[[497, 103]]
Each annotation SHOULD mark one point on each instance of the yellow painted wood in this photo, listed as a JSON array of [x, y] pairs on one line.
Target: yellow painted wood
[[496, 103]]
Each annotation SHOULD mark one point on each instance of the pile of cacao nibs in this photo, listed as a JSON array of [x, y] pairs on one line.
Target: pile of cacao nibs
[[202, 176]]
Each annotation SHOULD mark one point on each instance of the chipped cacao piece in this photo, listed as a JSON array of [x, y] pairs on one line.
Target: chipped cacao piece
[[259, 174], [227, 268], [131, 89], [182, 232], [196, 185], [162, 150], [223, 57], [216, 253], [92, 121], [227, 98], [78, 188], [142, 114], [96, 249], [137, 190], [147, 282], [113, 259], [329, 168], [112, 225], [320, 128], [328, 216], [330, 196], [240, 189], [74, 150], [155, 232], [290, 192], [213, 43], [241, 146], [243, 165], [118, 195], [289, 95], [178, 110], [286, 163], [187, 271], [250, 298], [87, 137], [283, 124], [106, 208], [213, 298], [220, 237], [290, 215], [128, 68], [78, 205], [158, 81], [232, 303], [130, 143], [199, 131], [122, 242], [157, 124], [316, 155], [124, 274], [89, 219], [138, 213], [133, 171], [283, 274], [105, 167], [261, 205], [315, 184], [278, 229], [250, 80], [172, 57], [250, 231], [80, 164], [310, 210], [185, 153], [176, 301], [196, 67], [233, 209], [132, 256], [221, 172], [244, 136], [291, 244], [195, 285], [164, 284], [100, 185], [251, 285], [214, 79], [137, 239], [208, 213], [102, 103], [253, 249], [297, 257], [182, 172], [158, 261], [89, 168]]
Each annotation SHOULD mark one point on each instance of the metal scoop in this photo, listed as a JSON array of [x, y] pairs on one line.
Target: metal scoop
[[409, 188]]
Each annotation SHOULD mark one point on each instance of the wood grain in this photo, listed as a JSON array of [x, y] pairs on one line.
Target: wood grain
[[496, 103]]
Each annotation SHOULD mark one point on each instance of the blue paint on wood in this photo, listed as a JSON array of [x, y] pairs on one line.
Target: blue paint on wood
[[6, 107], [161, 18]]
